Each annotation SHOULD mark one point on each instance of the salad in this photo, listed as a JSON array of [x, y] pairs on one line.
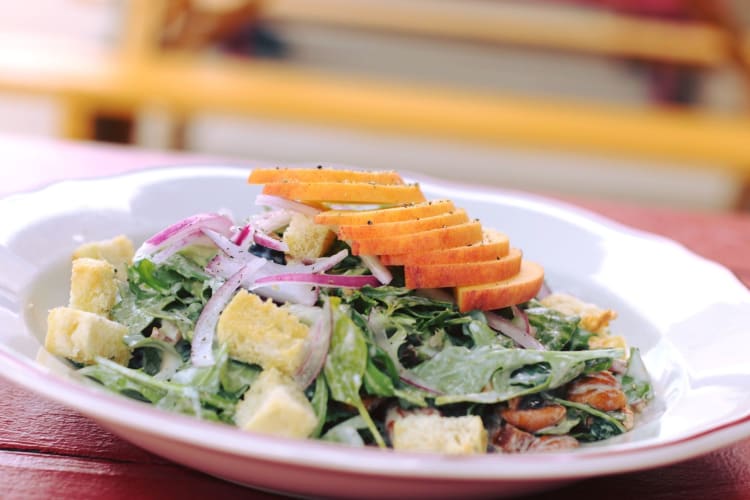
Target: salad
[[349, 309]]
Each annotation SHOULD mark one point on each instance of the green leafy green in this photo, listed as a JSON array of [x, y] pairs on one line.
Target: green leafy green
[[176, 291], [347, 432], [462, 374], [636, 382], [199, 400], [320, 405], [236, 377], [553, 329], [597, 425], [346, 364]]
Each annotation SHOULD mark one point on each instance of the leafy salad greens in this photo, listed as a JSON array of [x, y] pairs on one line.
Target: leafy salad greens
[[374, 354]]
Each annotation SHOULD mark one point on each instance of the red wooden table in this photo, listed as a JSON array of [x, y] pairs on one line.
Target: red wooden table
[[49, 451]]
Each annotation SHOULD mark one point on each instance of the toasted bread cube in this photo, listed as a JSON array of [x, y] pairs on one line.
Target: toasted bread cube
[[82, 336], [262, 333], [275, 405], [437, 434], [593, 318], [118, 251], [93, 286], [306, 239]]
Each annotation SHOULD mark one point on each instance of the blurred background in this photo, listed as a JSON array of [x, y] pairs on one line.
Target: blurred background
[[640, 100]]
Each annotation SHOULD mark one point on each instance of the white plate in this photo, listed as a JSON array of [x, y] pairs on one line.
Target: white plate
[[688, 315]]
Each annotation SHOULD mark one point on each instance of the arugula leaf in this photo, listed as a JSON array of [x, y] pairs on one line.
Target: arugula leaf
[[320, 405], [377, 383], [157, 358], [599, 425], [191, 400], [347, 432], [636, 382], [553, 329], [236, 377], [481, 333], [346, 364], [176, 290], [462, 374]]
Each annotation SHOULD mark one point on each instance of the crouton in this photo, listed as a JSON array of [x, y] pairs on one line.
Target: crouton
[[82, 336], [93, 286], [118, 251], [434, 433], [262, 333], [593, 318], [306, 239], [275, 405]]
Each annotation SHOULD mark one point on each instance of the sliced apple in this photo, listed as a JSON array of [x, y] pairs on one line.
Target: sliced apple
[[515, 290], [444, 237], [403, 212], [321, 174], [463, 273], [494, 245], [386, 229], [346, 192]]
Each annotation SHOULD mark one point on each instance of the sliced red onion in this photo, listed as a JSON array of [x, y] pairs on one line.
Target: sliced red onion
[[318, 342], [321, 265], [265, 200], [269, 222], [325, 280], [372, 262], [201, 352], [290, 293], [247, 235], [223, 266], [242, 235], [179, 230], [507, 328], [224, 244], [195, 238], [524, 319], [270, 242], [409, 378]]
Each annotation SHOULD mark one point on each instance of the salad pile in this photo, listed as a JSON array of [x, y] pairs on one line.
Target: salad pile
[[394, 322]]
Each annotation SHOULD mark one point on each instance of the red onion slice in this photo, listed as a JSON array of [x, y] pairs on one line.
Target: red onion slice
[[196, 238], [242, 235], [225, 244], [524, 318], [201, 351], [323, 264], [372, 262], [507, 328], [325, 280], [270, 242], [179, 230], [247, 235], [318, 342], [290, 293], [269, 222], [265, 200]]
